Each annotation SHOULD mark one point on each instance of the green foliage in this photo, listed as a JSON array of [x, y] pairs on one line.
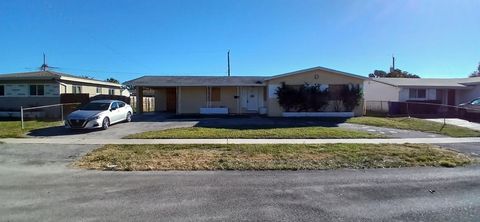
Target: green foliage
[[304, 99], [351, 96], [397, 73], [112, 80], [477, 72]]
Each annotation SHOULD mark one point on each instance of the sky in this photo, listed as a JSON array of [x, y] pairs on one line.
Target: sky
[[129, 39]]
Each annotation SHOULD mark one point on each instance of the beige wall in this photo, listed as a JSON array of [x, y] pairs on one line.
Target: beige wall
[[227, 99], [87, 88], [310, 77], [191, 99]]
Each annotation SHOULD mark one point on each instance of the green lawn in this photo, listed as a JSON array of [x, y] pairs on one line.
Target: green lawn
[[13, 129], [416, 124], [253, 133], [268, 157]]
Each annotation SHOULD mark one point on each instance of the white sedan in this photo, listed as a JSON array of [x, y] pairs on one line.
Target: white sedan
[[99, 114]]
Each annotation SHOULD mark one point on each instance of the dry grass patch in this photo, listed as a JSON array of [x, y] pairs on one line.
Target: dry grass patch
[[268, 157]]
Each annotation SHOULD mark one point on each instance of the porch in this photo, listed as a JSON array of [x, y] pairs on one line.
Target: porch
[[204, 99]]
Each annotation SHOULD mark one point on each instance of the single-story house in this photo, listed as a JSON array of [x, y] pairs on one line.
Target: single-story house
[[448, 91], [46, 88], [234, 94]]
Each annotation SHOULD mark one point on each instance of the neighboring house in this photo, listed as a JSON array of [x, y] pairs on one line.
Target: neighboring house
[[46, 88], [233, 94], [444, 91]]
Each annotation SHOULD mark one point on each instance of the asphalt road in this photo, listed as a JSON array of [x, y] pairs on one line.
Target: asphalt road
[[37, 185]]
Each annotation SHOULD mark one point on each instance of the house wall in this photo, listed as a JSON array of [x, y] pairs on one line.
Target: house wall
[[310, 77], [376, 91], [191, 99], [91, 89], [227, 99], [469, 94]]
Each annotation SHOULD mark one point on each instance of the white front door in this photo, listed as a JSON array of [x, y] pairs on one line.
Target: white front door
[[251, 97]]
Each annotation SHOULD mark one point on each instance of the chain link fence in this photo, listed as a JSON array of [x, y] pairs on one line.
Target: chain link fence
[[420, 110], [49, 113]]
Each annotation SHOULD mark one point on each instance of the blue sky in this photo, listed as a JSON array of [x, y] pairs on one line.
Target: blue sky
[[127, 39]]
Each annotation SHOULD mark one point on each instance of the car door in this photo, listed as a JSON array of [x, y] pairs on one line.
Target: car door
[[114, 113], [123, 110], [474, 106]]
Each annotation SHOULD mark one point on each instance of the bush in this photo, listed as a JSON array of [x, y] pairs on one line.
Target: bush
[[304, 99], [351, 96]]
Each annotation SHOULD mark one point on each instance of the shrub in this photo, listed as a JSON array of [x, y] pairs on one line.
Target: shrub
[[304, 99], [351, 96]]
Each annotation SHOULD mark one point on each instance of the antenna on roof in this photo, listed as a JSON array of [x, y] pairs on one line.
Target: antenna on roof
[[392, 69], [228, 62], [45, 66]]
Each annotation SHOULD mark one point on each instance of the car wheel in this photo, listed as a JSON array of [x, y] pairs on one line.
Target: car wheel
[[105, 123], [128, 118]]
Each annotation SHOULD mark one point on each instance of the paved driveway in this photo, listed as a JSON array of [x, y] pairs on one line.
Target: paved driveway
[[36, 185], [458, 122], [150, 122]]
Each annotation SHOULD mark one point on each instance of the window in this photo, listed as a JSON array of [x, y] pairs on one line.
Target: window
[[76, 89], [475, 102], [99, 90], [37, 90], [215, 96], [114, 105], [2, 90], [418, 93], [111, 91], [121, 104]]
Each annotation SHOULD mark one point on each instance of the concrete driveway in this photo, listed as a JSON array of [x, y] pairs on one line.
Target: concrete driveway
[[458, 122], [37, 185], [151, 122]]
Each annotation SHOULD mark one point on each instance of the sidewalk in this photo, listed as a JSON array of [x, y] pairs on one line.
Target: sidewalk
[[238, 141]]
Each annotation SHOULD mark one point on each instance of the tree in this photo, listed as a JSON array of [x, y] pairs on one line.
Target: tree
[[397, 73], [477, 72], [351, 96], [112, 80]]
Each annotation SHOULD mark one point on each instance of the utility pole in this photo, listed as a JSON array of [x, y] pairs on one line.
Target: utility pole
[[228, 62], [392, 69]]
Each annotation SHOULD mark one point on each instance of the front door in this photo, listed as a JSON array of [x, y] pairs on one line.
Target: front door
[[451, 97], [171, 100], [252, 98]]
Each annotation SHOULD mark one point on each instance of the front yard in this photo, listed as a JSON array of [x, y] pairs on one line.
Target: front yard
[[254, 132], [13, 129], [416, 124], [268, 157]]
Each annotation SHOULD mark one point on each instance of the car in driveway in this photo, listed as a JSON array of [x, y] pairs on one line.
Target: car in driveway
[[99, 114], [472, 107]]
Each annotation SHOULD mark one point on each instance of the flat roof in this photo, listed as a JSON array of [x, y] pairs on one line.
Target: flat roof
[[424, 82], [171, 81], [49, 75]]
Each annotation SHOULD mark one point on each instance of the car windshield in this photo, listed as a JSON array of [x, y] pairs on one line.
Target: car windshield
[[96, 106]]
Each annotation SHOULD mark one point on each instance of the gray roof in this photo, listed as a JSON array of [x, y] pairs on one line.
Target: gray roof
[[168, 81], [425, 82], [49, 75], [318, 68]]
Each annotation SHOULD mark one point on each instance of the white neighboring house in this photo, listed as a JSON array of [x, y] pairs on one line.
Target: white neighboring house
[[451, 91]]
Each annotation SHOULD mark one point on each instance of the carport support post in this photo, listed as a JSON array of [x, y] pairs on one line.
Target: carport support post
[[139, 99], [21, 115]]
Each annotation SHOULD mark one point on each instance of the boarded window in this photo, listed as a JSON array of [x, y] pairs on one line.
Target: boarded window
[[215, 94], [2, 90], [335, 91]]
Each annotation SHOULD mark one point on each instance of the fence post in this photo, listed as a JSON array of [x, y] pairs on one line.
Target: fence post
[[408, 113], [21, 116], [61, 111]]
